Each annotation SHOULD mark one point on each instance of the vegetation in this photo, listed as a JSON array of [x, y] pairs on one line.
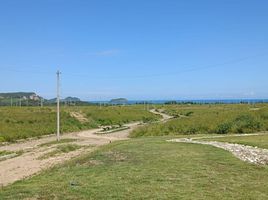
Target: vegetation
[[208, 119], [17, 102], [24, 122], [9, 154], [3, 153], [147, 168], [260, 141], [115, 115], [32, 99], [20, 99], [21, 123]]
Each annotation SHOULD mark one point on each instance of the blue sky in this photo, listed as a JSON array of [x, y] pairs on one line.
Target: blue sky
[[153, 49]]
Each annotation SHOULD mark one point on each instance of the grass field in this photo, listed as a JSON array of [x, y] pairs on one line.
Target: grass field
[[20, 123], [260, 141], [208, 119], [147, 168], [111, 115]]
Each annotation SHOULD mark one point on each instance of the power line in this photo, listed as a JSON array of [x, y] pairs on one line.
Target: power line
[[174, 73]]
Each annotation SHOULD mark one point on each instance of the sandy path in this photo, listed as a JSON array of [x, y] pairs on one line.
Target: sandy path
[[28, 163], [164, 116]]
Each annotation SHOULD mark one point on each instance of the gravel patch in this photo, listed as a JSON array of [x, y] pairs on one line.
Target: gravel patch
[[246, 153]]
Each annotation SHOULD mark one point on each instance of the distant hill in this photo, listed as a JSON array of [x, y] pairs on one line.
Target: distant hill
[[119, 101], [54, 100], [23, 95], [67, 99], [32, 99], [71, 99], [20, 99]]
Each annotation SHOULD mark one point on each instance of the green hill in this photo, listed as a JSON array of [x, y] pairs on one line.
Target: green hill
[[20, 98], [17, 95], [119, 101]]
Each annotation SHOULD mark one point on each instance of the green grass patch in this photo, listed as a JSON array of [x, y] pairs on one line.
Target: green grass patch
[[66, 148], [21, 123], [10, 154], [147, 168], [260, 141], [209, 119], [4, 153], [116, 115], [25, 122]]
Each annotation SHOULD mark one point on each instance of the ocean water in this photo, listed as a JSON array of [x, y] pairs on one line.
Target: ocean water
[[196, 101]]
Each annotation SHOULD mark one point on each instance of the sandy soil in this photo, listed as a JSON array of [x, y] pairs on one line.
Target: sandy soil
[[28, 164], [164, 116]]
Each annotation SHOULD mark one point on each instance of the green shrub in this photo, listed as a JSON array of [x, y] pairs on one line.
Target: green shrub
[[246, 123], [192, 130], [221, 119], [189, 113], [223, 128], [264, 116], [2, 139]]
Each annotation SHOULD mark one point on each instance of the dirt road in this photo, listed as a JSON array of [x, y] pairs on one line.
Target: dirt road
[[29, 162], [164, 116]]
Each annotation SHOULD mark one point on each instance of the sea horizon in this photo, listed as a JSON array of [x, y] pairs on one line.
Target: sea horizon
[[197, 101]]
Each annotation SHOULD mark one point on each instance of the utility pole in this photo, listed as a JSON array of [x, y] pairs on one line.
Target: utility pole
[[144, 105], [58, 105], [11, 103]]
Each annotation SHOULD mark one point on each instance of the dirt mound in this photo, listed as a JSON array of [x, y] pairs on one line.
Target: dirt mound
[[79, 116]]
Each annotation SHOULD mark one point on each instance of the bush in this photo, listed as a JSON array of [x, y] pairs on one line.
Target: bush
[[2, 139], [264, 116], [205, 119], [189, 113], [146, 119], [246, 123], [192, 130], [223, 128]]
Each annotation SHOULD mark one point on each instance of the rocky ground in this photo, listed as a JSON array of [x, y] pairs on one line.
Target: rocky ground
[[246, 153]]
